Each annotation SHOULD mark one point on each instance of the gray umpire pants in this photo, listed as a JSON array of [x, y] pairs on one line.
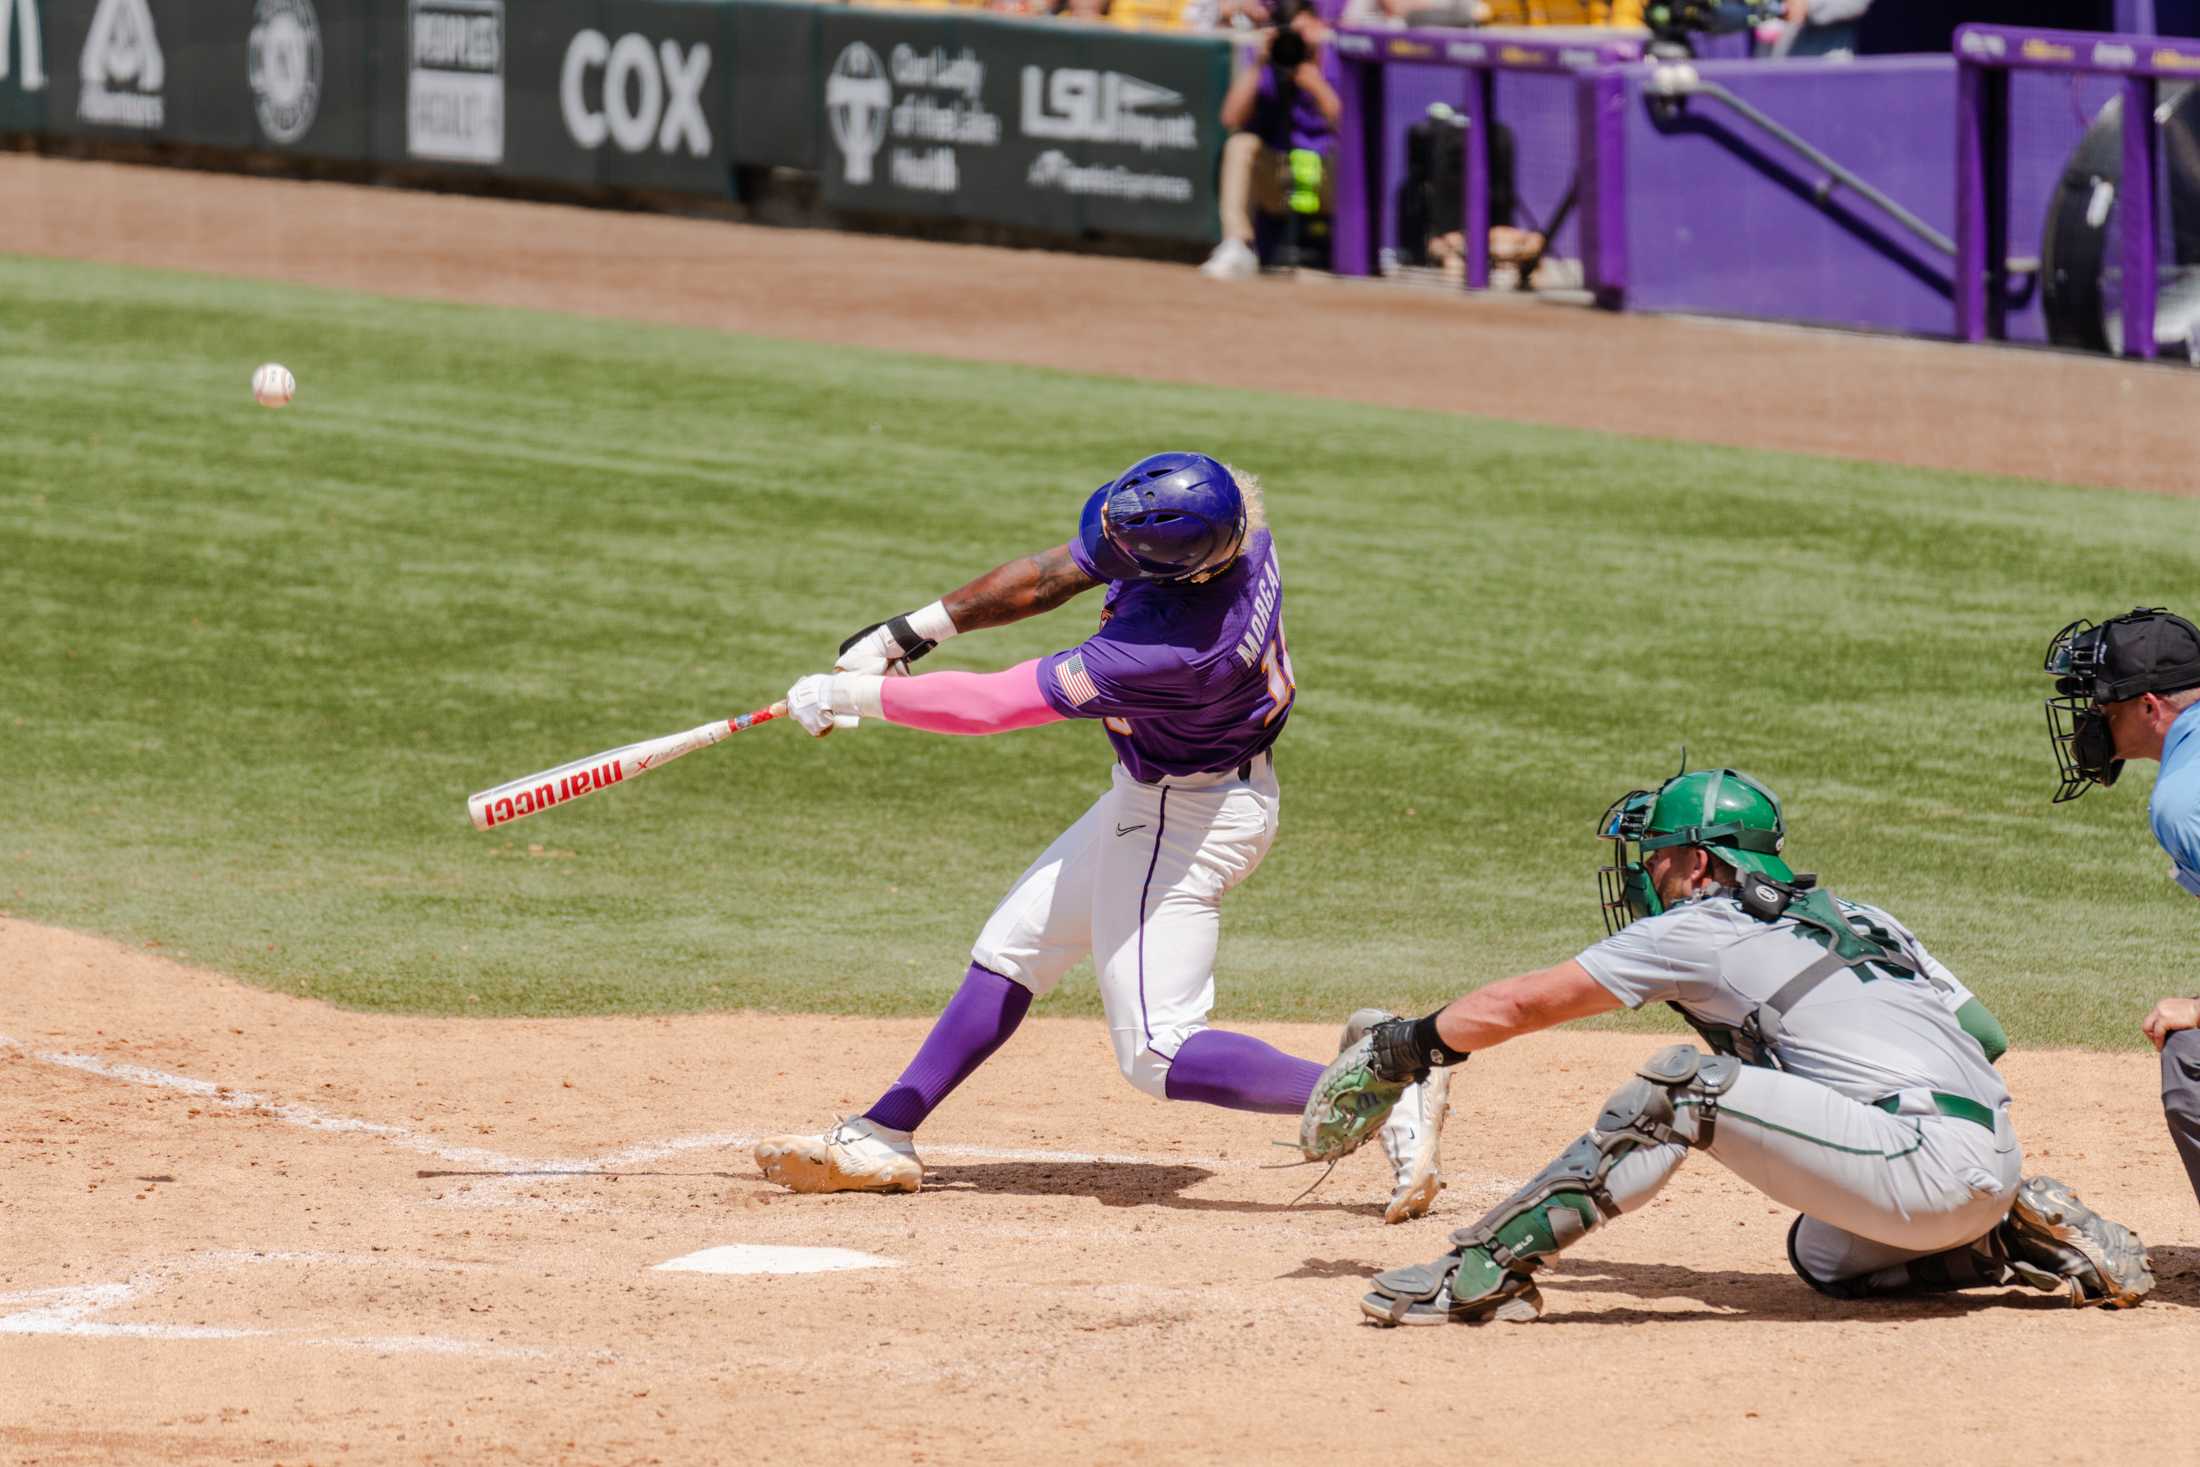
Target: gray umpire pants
[[2181, 1099]]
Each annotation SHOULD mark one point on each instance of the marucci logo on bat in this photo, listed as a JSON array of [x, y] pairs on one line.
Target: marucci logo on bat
[[541, 797]]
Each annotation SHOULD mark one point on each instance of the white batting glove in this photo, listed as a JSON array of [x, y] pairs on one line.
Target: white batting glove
[[810, 703], [824, 701], [887, 648], [874, 652]]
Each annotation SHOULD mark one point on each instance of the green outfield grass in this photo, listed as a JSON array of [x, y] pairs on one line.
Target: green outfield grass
[[257, 660]]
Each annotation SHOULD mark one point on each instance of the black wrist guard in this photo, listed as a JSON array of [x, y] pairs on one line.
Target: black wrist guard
[[1392, 1051], [910, 646], [1396, 1053], [1430, 1050]]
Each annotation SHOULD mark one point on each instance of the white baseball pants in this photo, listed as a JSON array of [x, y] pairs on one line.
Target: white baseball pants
[[1137, 882]]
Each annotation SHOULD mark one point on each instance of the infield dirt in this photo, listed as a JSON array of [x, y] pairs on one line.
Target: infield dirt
[[240, 1226], [247, 1227]]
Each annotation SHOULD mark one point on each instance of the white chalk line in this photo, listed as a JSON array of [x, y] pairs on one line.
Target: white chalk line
[[519, 1172], [645, 1151], [69, 1309], [290, 1112], [312, 1118]]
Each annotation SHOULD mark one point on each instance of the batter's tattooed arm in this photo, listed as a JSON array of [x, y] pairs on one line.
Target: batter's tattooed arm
[[1018, 589]]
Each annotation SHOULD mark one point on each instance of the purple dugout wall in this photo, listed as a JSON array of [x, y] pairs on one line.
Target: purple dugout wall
[[1713, 215], [1701, 211]]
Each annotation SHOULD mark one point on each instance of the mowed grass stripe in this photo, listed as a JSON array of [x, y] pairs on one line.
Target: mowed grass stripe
[[259, 659]]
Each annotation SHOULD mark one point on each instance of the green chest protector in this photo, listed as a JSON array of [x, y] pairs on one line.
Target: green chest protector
[[1871, 952]]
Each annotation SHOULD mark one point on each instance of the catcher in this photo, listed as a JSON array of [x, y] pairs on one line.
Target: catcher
[[1851, 1077]]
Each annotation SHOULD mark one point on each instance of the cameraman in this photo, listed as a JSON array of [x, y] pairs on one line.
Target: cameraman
[[1284, 103]]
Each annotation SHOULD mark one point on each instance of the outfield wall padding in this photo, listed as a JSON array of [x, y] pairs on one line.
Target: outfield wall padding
[[1050, 126]]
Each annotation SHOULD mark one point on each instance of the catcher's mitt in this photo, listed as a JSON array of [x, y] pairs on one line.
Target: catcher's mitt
[[1355, 1095]]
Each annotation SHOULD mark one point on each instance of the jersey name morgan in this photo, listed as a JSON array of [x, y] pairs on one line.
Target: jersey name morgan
[[1189, 678], [1866, 1033]]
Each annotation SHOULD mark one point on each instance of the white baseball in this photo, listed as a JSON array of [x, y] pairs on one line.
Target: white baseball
[[272, 385]]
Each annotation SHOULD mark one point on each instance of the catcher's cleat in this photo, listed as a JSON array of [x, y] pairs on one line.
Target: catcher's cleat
[[2058, 1244], [854, 1156], [1430, 1293], [1412, 1134]]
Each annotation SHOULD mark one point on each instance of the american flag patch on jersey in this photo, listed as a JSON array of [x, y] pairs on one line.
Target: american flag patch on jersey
[[1075, 682]]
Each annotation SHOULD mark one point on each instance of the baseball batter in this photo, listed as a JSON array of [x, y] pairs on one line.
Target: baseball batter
[[1850, 1080], [1190, 675]]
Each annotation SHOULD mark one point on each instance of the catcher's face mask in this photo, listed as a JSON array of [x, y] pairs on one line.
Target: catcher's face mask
[[2077, 728], [1625, 891]]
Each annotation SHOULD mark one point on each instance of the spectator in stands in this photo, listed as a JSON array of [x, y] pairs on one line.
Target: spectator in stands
[[1209, 15], [1282, 111], [1822, 28]]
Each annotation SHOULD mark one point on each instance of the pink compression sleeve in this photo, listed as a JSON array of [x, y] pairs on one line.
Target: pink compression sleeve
[[968, 702]]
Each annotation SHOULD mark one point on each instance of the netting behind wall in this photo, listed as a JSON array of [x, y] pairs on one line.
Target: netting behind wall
[[1539, 109], [2049, 113]]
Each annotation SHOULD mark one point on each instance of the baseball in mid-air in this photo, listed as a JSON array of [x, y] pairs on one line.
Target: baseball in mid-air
[[272, 385]]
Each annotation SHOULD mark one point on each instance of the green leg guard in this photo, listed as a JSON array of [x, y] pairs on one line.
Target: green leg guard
[[1489, 1272], [1521, 1244]]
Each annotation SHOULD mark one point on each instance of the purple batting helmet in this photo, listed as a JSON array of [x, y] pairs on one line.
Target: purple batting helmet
[[1170, 517]]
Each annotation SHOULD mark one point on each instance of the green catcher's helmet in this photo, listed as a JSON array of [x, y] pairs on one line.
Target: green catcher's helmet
[[1723, 810]]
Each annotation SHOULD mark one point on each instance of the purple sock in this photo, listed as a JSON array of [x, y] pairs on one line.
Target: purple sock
[[977, 1021], [1217, 1067]]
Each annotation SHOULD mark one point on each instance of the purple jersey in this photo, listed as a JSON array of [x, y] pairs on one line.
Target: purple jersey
[[1301, 124], [1189, 678]]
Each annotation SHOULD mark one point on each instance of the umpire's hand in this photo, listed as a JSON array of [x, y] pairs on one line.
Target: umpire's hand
[[2170, 1015]]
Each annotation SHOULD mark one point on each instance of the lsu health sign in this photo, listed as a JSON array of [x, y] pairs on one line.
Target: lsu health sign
[[1059, 129]]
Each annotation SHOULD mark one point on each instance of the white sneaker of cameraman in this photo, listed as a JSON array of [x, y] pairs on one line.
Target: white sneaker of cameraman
[[1233, 259], [857, 1155], [1413, 1134]]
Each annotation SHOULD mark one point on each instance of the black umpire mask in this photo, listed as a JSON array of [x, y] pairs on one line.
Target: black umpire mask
[[2147, 650]]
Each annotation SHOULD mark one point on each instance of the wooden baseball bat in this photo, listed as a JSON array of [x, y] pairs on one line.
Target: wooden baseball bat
[[534, 793]]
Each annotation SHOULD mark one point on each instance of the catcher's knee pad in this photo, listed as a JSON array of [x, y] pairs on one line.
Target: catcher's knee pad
[[1569, 1197], [1677, 1077]]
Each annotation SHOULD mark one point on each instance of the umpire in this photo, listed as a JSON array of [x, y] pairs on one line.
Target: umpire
[[2130, 689]]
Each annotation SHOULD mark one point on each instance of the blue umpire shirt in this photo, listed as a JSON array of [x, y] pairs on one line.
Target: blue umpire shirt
[[2174, 808]]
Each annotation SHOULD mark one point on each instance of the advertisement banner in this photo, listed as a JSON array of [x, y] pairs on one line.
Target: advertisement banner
[[283, 74], [23, 63], [1109, 132], [1054, 127], [905, 112], [622, 92], [107, 68], [437, 76], [640, 97], [305, 68]]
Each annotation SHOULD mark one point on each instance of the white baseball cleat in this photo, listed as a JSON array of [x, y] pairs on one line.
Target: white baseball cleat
[[1412, 1139], [1233, 259], [856, 1155], [1413, 1133]]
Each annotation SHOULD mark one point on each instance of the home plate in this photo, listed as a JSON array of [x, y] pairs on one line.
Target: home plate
[[773, 1258]]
